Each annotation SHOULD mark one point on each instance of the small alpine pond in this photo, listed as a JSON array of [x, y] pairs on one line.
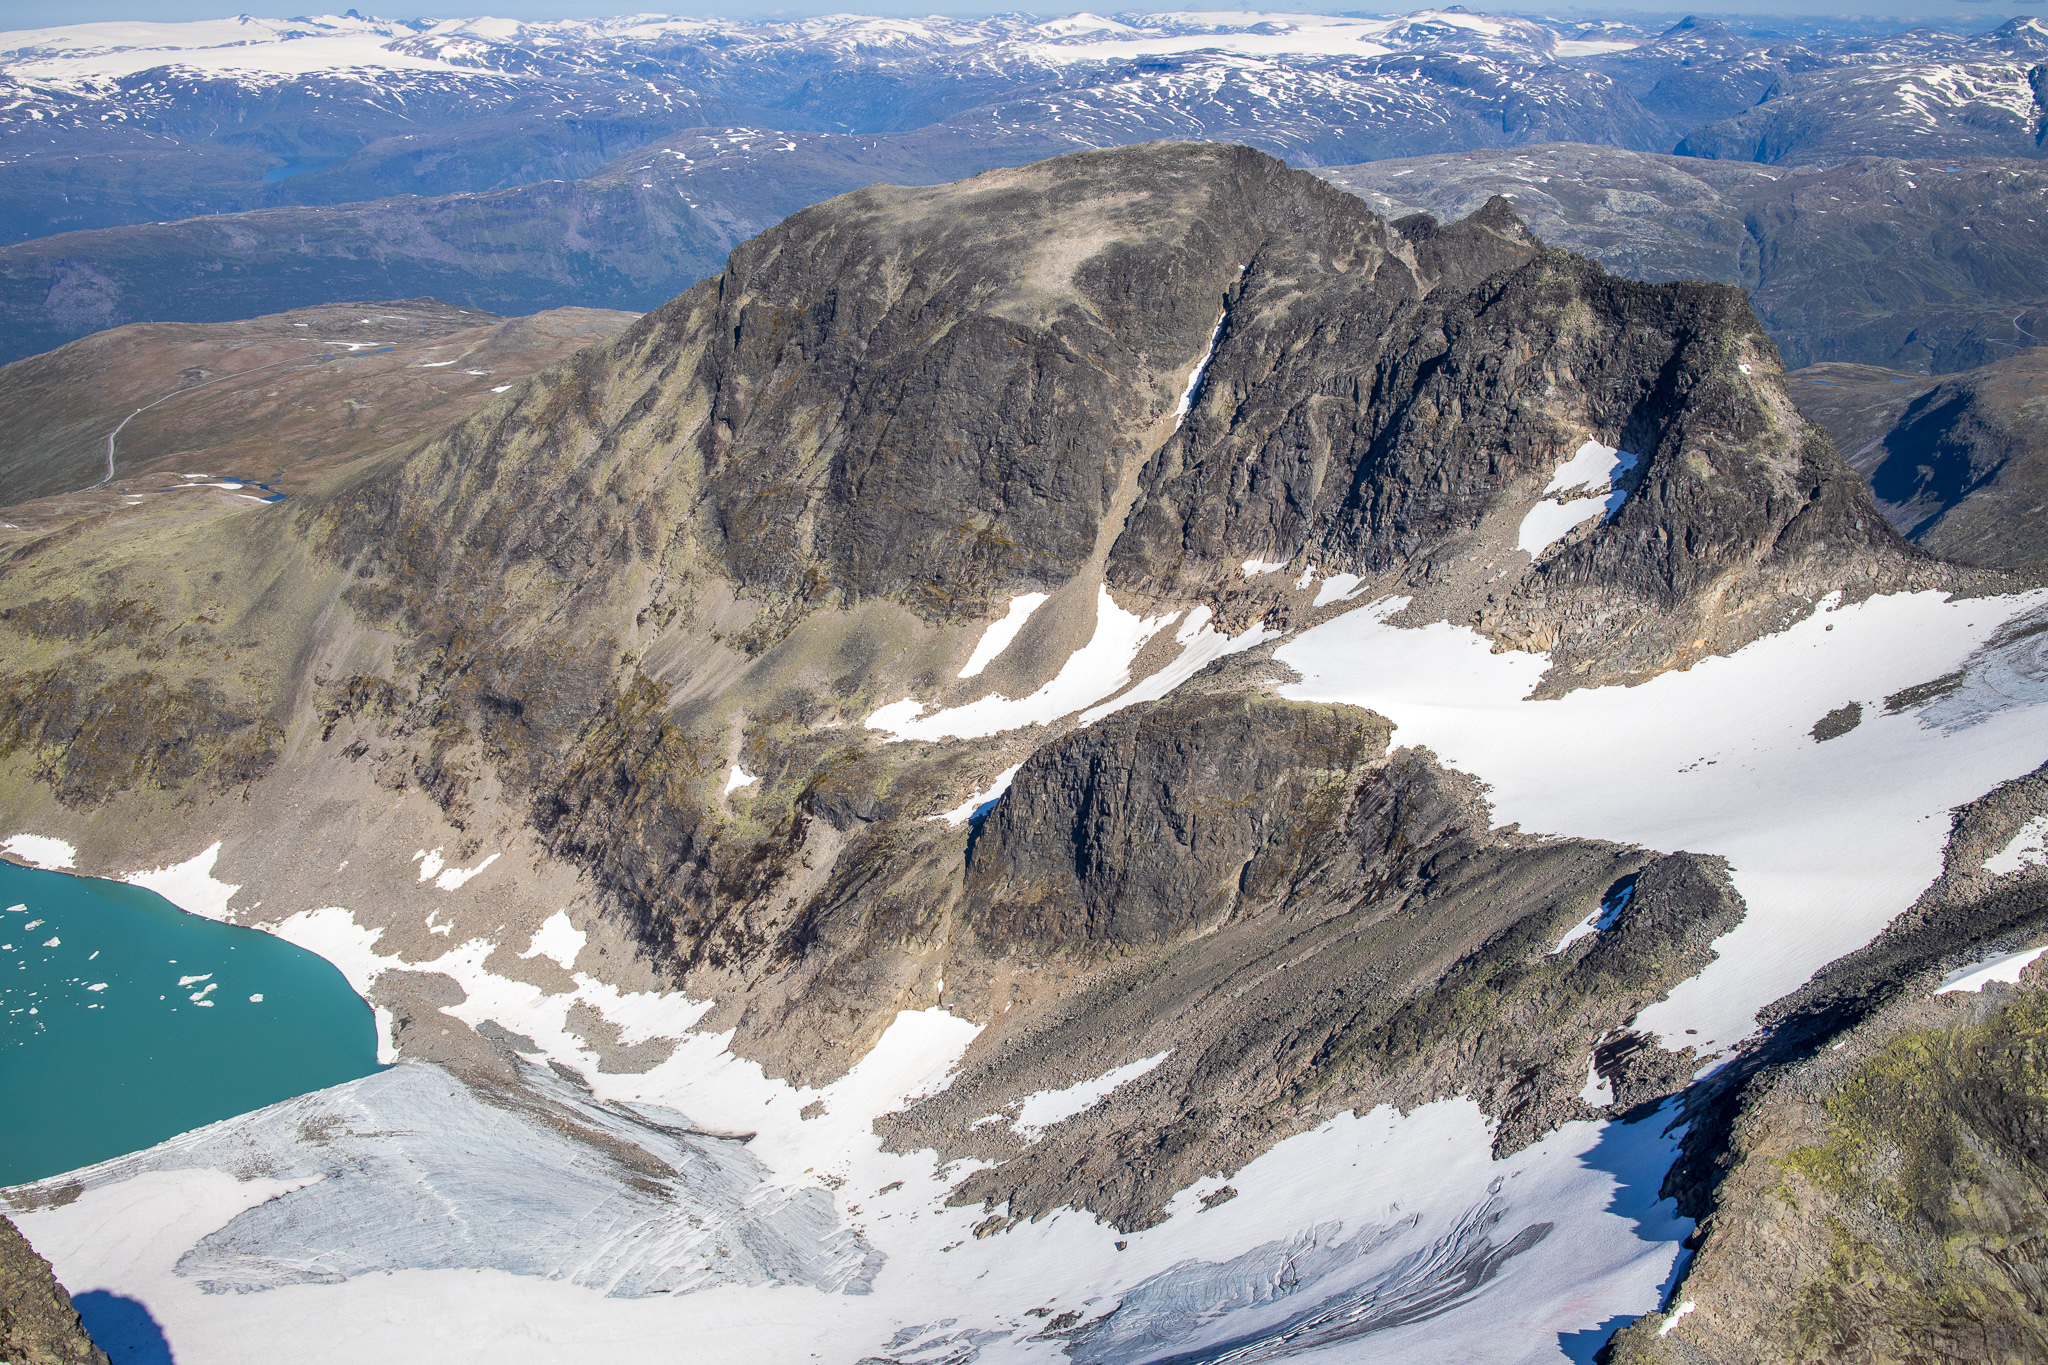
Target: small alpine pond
[[125, 1020]]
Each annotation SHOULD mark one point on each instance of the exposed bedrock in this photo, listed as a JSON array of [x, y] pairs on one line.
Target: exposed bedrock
[[1342, 929], [1165, 819], [1388, 442], [38, 1325]]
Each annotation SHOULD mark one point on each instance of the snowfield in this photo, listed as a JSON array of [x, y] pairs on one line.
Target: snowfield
[[1827, 841], [760, 1220]]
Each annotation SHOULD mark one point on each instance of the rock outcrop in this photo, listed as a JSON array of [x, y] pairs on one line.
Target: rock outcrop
[[38, 1325], [1869, 1172]]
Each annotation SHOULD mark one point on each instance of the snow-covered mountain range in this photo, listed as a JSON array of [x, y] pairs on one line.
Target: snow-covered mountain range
[[239, 113]]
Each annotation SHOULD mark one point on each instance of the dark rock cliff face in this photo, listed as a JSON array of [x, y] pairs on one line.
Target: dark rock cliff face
[[916, 401], [38, 1325], [1964, 471], [1163, 820], [784, 499], [635, 614], [1390, 438], [1959, 464], [930, 395]]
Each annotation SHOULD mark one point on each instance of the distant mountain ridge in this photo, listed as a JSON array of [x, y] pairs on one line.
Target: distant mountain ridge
[[1906, 263], [140, 122]]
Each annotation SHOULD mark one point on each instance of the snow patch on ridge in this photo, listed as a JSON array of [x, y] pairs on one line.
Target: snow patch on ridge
[[1098, 669], [981, 802], [1047, 1107], [2006, 967], [1201, 645], [557, 939], [997, 637], [1594, 469], [1187, 395], [1336, 588], [2029, 848]]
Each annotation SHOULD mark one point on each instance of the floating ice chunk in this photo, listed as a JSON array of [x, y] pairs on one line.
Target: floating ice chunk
[[1975, 977], [1100, 668], [97, 986], [41, 851], [185, 981], [2029, 848], [997, 637], [256, 999], [53, 942], [737, 778], [1042, 1110], [981, 802], [455, 878], [558, 939], [15, 909]]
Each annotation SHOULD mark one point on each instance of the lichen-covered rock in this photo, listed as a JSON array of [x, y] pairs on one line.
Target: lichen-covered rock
[[38, 1325], [1869, 1172]]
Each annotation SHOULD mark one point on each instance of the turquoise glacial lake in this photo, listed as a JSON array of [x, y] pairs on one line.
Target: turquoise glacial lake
[[124, 1020]]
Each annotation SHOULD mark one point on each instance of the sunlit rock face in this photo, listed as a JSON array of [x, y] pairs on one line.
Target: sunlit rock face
[[1457, 694]]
